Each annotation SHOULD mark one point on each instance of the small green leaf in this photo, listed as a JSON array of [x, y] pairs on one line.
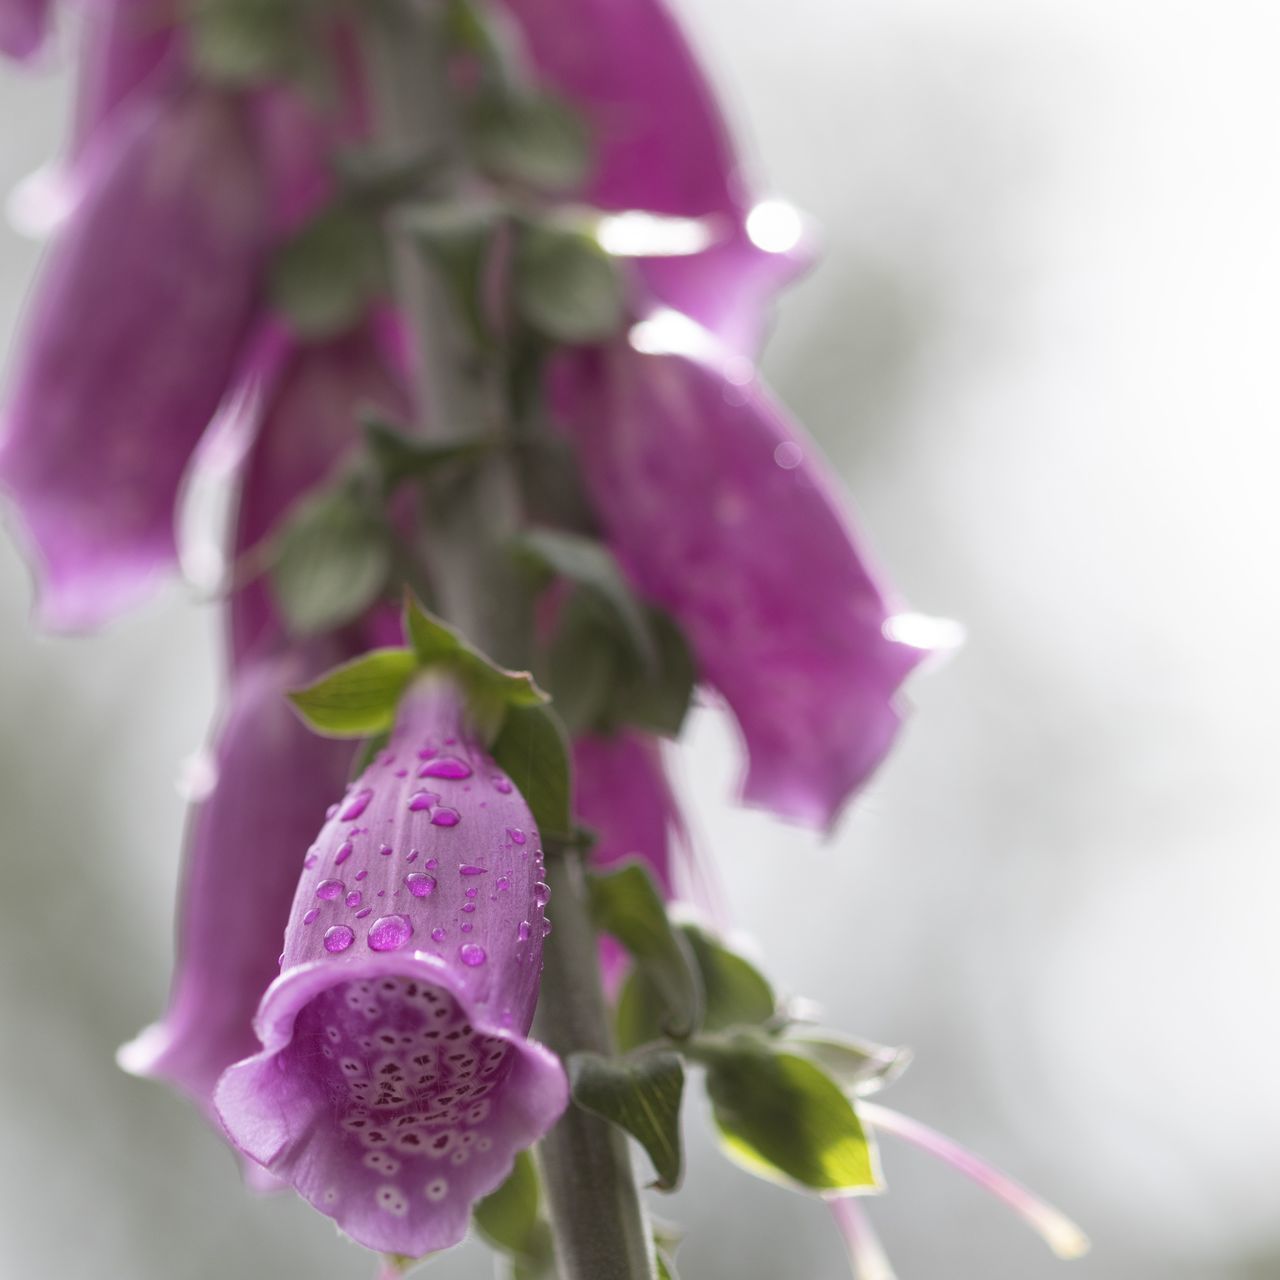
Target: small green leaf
[[582, 664], [658, 699], [536, 140], [735, 992], [666, 1268], [437, 644], [456, 239], [566, 286], [640, 1012], [531, 746], [593, 567], [329, 562], [857, 1066], [358, 698], [626, 904], [641, 1095], [784, 1119], [508, 1219], [326, 276], [403, 457]]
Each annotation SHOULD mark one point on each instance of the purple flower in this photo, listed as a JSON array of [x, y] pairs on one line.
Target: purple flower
[[662, 146], [720, 512], [395, 1083], [23, 25], [133, 335]]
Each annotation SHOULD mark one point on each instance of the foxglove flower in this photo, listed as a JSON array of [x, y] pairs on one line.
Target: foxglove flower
[[23, 24], [721, 513], [661, 145], [395, 1083], [135, 327]]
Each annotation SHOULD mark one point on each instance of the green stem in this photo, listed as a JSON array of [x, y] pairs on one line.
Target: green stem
[[597, 1218]]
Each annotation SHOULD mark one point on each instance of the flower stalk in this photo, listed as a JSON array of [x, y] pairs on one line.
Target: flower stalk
[[597, 1218]]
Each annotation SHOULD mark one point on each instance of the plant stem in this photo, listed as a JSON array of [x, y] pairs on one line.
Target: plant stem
[[597, 1217]]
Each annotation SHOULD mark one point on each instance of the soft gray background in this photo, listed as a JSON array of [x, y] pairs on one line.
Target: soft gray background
[[1041, 349]]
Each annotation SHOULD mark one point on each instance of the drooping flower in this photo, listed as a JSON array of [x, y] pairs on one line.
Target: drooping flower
[[23, 25], [661, 145], [395, 1082], [134, 331], [720, 512]]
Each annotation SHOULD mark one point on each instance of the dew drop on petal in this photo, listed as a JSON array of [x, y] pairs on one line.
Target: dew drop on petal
[[467, 869], [356, 805], [421, 800], [354, 898], [438, 934], [389, 933], [420, 885], [385, 850], [444, 817], [523, 931], [311, 916], [344, 852], [541, 893], [546, 928], [472, 954], [329, 889], [360, 915], [360, 875], [516, 835], [445, 767], [504, 882], [338, 938], [502, 785]]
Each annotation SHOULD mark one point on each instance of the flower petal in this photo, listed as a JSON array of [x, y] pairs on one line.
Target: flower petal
[[133, 334], [395, 1085], [722, 513], [23, 26]]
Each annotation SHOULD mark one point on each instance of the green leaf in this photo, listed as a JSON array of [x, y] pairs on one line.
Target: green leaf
[[566, 286], [626, 904], [325, 277], [456, 238], [735, 993], [593, 567], [531, 746], [437, 644], [329, 562], [358, 698], [508, 1219], [536, 140], [784, 1119], [639, 1014], [640, 1095], [666, 1268], [857, 1066], [582, 664], [658, 699], [403, 457]]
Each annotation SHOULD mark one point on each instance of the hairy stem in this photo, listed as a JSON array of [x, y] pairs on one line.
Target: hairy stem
[[597, 1217]]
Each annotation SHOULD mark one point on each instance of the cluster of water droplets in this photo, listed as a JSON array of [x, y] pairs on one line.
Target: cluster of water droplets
[[408, 1079]]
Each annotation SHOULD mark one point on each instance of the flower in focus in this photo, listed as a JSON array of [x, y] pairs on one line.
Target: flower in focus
[[136, 325], [395, 1084], [722, 514]]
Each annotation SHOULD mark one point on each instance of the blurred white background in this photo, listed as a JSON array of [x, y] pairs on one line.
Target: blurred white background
[[1040, 350]]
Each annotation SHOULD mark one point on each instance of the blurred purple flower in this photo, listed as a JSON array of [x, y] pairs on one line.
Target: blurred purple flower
[[662, 146], [721, 512], [134, 331], [23, 26], [395, 1084]]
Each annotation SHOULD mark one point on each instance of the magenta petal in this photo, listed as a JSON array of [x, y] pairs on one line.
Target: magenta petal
[[131, 339], [722, 513], [395, 1083], [23, 25], [662, 146], [245, 846]]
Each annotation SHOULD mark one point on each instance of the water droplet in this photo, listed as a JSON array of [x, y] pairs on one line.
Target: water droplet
[[444, 817], [546, 927], [402, 773], [422, 800], [445, 767], [420, 885], [360, 915], [310, 917], [330, 811], [389, 933], [501, 784], [466, 926], [504, 882], [471, 953], [431, 863], [412, 856], [468, 870], [360, 875], [438, 934], [468, 906], [329, 889], [345, 850], [541, 893], [523, 931], [356, 805], [339, 938], [354, 898], [516, 835], [471, 893], [310, 861]]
